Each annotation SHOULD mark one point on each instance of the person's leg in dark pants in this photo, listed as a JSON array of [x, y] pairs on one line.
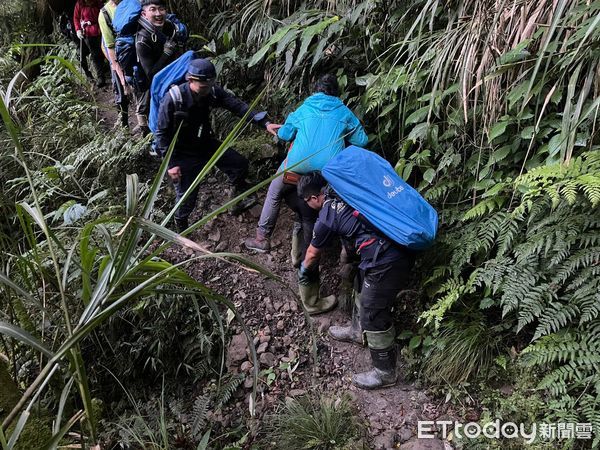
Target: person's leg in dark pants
[[235, 167], [188, 175], [121, 100], [303, 226], [94, 44], [379, 288], [84, 52]]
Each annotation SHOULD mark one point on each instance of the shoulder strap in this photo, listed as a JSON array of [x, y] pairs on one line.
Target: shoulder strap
[[175, 93], [107, 18]]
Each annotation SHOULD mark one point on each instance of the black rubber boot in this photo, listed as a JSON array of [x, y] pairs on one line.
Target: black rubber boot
[[383, 373], [181, 224]]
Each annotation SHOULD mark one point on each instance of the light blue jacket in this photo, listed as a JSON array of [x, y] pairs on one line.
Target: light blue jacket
[[320, 128]]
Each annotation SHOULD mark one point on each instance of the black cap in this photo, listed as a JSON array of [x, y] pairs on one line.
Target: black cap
[[201, 69]]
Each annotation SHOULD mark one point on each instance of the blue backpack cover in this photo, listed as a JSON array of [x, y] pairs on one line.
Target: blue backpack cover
[[369, 184], [125, 21], [172, 74]]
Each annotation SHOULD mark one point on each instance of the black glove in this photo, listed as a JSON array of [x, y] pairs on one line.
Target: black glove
[[308, 276], [170, 47]]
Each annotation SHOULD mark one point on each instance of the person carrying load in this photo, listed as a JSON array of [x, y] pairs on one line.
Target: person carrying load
[[189, 105]]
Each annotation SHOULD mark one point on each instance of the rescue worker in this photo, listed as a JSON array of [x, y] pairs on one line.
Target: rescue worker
[[120, 87], [320, 128], [196, 143], [383, 270]]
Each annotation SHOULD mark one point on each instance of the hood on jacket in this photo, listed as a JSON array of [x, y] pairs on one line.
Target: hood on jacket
[[323, 102]]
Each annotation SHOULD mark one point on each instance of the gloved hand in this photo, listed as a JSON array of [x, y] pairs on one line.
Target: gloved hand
[[170, 47], [80, 34], [307, 275]]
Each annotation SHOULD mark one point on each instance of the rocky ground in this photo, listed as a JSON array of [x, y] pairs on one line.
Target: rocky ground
[[282, 336]]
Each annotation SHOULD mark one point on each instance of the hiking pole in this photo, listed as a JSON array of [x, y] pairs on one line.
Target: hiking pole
[[84, 24]]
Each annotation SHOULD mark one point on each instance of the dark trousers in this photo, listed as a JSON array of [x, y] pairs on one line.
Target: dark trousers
[[379, 287], [121, 99], [91, 46], [234, 165], [305, 215]]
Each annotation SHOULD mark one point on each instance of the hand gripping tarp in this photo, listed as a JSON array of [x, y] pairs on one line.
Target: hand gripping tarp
[[369, 184], [172, 74]]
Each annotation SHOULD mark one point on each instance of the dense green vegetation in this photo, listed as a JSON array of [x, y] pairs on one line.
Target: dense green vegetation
[[490, 108]]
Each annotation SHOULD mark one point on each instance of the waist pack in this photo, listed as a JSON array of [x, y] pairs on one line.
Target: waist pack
[[369, 184]]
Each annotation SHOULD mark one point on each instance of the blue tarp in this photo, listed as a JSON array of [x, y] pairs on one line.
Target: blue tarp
[[369, 184], [172, 74], [125, 21]]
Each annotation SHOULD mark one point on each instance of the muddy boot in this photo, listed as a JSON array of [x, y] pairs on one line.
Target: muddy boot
[[309, 293], [181, 224], [351, 333], [261, 243], [383, 357], [297, 244], [383, 373]]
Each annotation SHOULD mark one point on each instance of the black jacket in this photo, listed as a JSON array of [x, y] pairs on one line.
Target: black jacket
[[149, 46], [194, 114]]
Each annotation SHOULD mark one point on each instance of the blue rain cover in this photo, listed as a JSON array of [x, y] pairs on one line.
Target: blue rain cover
[[172, 74], [126, 17], [370, 185]]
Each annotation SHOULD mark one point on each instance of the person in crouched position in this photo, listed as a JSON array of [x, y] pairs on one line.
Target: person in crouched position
[[383, 271]]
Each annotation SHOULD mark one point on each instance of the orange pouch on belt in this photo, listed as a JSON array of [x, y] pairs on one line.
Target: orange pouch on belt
[[291, 178]]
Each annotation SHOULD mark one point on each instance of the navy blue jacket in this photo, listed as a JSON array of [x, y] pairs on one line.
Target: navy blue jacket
[[336, 218], [194, 114]]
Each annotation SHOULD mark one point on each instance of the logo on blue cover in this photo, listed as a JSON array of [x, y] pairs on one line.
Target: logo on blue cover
[[387, 181]]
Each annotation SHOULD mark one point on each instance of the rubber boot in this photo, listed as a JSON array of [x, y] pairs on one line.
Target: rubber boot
[[383, 357], [350, 333], [309, 293], [261, 243], [181, 224], [243, 204], [297, 244], [383, 373]]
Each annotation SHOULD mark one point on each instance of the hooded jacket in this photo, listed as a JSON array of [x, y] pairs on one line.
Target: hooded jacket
[[87, 13], [322, 127]]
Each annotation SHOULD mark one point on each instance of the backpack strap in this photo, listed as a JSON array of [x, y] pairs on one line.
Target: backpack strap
[[107, 18], [175, 93]]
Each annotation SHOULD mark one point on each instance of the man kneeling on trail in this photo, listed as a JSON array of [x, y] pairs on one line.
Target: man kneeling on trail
[[196, 143], [383, 271]]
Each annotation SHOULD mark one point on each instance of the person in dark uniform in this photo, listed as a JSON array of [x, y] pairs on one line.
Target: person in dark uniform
[[383, 270], [190, 106]]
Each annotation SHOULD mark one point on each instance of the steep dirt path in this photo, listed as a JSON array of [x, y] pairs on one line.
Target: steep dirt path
[[281, 333]]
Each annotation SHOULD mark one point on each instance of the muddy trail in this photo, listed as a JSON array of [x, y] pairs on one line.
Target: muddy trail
[[282, 336]]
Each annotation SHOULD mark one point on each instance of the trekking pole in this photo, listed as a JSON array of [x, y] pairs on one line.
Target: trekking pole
[[83, 24]]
